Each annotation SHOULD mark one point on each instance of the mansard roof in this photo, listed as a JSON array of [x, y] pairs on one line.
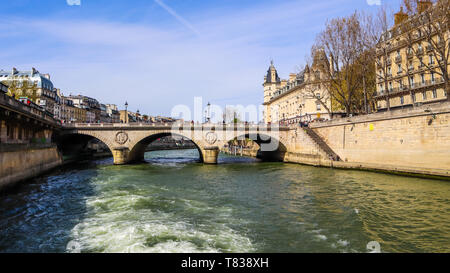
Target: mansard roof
[[42, 80]]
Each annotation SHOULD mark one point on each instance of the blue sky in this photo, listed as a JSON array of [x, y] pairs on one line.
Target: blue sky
[[155, 58]]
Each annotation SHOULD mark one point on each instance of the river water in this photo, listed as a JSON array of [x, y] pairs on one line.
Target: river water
[[172, 203]]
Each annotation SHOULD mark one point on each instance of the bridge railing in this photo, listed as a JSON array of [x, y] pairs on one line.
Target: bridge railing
[[173, 125]]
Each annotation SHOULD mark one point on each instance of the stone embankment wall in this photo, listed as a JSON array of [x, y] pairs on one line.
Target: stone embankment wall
[[414, 141], [21, 162]]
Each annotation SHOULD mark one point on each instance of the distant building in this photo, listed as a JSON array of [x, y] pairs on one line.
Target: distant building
[[104, 117], [71, 113], [303, 97], [58, 106], [91, 105], [124, 118], [31, 84], [113, 113], [407, 72]]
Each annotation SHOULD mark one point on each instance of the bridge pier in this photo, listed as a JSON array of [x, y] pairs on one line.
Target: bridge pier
[[121, 155], [210, 155]]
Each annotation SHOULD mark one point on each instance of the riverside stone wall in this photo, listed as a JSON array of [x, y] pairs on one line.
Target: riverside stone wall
[[410, 140], [21, 162]]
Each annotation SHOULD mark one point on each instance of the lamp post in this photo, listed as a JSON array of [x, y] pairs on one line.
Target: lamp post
[[208, 117], [126, 112], [137, 115]]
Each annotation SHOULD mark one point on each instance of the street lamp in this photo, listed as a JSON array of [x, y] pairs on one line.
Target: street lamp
[[137, 115], [209, 113], [126, 112]]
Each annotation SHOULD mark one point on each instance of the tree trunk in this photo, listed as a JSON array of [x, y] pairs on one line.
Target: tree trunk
[[365, 95]]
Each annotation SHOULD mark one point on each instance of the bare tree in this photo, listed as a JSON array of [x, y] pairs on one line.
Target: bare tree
[[315, 81], [231, 115], [378, 34], [341, 44]]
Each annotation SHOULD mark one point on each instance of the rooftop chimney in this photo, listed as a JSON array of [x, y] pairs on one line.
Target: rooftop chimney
[[400, 16], [292, 77], [423, 5]]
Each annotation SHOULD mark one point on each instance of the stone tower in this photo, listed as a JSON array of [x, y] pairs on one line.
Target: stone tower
[[271, 82]]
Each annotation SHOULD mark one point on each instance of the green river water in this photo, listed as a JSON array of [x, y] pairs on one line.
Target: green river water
[[172, 203]]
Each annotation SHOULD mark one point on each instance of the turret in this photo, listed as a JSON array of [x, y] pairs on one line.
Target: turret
[[271, 82]]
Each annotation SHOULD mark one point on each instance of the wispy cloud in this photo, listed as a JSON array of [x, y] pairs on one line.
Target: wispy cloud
[[177, 16]]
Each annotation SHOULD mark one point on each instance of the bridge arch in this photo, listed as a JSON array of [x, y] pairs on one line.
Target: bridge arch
[[74, 143], [271, 148], [137, 149]]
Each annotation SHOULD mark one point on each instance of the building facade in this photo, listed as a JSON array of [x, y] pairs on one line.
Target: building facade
[[71, 113], [31, 84], [113, 113], [302, 98], [408, 62], [90, 105]]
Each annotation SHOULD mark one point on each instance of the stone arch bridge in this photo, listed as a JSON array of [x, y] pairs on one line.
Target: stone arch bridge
[[127, 142]]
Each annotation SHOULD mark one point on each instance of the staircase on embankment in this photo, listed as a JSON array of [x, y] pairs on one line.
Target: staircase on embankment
[[322, 145]]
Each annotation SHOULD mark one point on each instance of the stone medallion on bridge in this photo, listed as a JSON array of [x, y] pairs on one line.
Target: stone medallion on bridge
[[121, 138], [211, 138]]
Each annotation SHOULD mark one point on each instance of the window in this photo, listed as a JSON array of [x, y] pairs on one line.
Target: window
[[422, 77], [431, 59], [319, 106], [424, 95], [411, 81], [402, 100], [434, 93], [414, 97], [432, 77], [390, 86], [399, 68]]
